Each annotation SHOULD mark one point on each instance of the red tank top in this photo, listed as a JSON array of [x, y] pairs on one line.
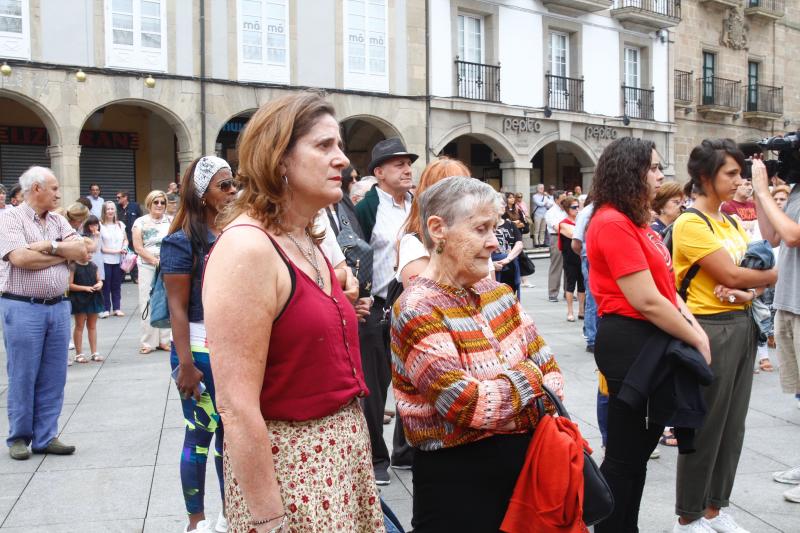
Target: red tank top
[[314, 362]]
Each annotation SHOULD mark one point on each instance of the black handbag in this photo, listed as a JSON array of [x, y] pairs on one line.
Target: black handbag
[[598, 501], [357, 254], [526, 266]]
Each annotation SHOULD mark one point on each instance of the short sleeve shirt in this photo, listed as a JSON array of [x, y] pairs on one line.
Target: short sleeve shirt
[[411, 249], [581, 224], [616, 248], [177, 257], [508, 234], [112, 236], [153, 232], [692, 240], [787, 290], [20, 227]]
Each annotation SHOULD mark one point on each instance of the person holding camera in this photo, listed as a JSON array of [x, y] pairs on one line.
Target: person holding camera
[[781, 227]]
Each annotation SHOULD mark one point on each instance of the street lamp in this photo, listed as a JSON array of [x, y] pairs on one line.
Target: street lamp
[[5, 70], [80, 75], [149, 81]]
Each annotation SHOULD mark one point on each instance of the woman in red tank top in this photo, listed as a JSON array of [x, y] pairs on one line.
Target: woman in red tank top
[[284, 338]]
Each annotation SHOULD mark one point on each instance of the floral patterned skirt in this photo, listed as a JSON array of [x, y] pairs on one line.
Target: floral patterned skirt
[[324, 469]]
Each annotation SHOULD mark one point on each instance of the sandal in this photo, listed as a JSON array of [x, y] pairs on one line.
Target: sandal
[[97, 357], [165, 347], [81, 358], [766, 365], [668, 438], [570, 318], [144, 350], [118, 313]]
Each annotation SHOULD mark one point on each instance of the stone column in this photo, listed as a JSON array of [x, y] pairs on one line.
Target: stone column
[[185, 158], [517, 178], [65, 160], [587, 175]]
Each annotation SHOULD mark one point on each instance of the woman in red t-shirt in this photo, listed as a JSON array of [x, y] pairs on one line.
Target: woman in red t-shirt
[[572, 262], [631, 280]]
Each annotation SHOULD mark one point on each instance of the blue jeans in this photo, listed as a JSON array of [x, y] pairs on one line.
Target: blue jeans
[[112, 293], [36, 340], [590, 309], [602, 416]]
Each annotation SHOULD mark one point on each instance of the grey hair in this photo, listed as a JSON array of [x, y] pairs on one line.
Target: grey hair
[[454, 199], [34, 175]]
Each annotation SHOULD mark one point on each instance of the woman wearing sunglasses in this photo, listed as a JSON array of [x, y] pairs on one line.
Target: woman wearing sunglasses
[[208, 187], [571, 261], [148, 232]]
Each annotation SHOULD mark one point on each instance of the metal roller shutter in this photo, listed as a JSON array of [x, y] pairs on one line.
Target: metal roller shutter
[[114, 169], [16, 158]]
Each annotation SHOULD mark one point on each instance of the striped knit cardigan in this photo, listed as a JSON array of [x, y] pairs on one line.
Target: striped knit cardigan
[[466, 364]]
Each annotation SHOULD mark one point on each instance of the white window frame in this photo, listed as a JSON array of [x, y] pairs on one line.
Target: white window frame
[[632, 79], [552, 62], [136, 56], [265, 69], [462, 28], [18, 45], [365, 79]]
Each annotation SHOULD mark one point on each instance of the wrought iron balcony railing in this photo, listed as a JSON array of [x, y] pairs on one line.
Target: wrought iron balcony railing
[[720, 93], [478, 81], [667, 8], [764, 99], [638, 103], [684, 91], [563, 93]]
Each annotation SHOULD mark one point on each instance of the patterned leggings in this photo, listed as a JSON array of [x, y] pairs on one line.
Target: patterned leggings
[[202, 423]]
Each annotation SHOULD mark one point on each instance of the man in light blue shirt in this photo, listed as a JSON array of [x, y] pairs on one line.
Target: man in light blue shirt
[[96, 201]]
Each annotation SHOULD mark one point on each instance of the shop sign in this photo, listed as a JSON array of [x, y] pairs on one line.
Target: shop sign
[[521, 125], [234, 126], [110, 139], [601, 133], [23, 135]]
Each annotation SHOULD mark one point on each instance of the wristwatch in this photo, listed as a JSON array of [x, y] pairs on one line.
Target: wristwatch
[[53, 247], [754, 293]]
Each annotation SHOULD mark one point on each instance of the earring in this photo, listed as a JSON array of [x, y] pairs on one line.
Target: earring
[[440, 247], [203, 201], [285, 180]]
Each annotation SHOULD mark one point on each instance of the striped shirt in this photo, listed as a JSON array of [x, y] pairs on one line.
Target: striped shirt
[[20, 227], [466, 364]]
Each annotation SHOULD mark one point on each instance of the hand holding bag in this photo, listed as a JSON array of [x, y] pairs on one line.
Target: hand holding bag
[[357, 254], [128, 262]]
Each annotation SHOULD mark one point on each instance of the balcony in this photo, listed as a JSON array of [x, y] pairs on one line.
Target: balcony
[[768, 10], [477, 81], [719, 96], [577, 7], [564, 94], [638, 103], [723, 3], [763, 102], [684, 90], [647, 15]]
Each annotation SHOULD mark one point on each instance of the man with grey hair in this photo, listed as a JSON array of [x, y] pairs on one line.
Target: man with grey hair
[[35, 246], [541, 203]]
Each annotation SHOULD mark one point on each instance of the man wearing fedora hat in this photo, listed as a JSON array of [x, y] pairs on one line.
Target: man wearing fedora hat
[[382, 213]]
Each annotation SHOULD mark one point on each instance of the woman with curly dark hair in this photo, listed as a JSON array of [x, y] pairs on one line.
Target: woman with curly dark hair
[[631, 279]]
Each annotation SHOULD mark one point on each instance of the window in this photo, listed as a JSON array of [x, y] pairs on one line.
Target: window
[[263, 40], [752, 85], [470, 38], [136, 34], [365, 45], [14, 30], [559, 54], [709, 66], [632, 67]]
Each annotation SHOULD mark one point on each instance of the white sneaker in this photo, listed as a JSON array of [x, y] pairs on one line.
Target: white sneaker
[[792, 495], [790, 477], [202, 527], [724, 523], [222, 524], [104, 314], [698, 526], [71, 345]]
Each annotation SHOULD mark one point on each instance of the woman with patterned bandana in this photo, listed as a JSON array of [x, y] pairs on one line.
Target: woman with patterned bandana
[[208, 186]]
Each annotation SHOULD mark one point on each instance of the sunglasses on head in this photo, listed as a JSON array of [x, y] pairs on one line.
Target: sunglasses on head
[[228, 184]]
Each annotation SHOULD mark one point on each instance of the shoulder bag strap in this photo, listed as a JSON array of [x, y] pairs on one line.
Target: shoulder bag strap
[[683, 290]]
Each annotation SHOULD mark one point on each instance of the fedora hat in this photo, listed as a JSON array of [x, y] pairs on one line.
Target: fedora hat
[[386, 150]]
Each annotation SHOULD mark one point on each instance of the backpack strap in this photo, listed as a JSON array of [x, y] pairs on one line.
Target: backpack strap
[[683, 290]]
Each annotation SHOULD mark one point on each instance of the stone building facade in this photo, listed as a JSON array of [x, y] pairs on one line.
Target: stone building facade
[[736, 72], [127, 94]]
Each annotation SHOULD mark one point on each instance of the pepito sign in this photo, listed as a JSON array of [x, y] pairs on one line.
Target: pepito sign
[[521, 125], [601, 133]]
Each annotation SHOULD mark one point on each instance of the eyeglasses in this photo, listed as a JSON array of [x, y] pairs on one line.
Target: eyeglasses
[[159, 202], [119, 197], [227, 185], [574, 206]]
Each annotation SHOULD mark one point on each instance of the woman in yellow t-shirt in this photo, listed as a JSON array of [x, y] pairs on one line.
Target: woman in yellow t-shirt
[[719, 297]]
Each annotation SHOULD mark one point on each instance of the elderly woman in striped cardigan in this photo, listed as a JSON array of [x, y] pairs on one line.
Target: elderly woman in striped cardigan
[[468, 365]]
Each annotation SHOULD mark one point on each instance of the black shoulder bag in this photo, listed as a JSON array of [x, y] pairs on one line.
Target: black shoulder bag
[[357, 254]]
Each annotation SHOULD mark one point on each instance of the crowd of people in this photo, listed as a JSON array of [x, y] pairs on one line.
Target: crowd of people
[[417, 287]]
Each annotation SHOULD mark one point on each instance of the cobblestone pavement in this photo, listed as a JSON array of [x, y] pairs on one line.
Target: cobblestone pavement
[[124, 416]]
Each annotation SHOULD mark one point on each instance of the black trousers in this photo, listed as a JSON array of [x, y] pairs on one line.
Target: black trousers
[[466, 489], [376, 363], [630, 440]]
